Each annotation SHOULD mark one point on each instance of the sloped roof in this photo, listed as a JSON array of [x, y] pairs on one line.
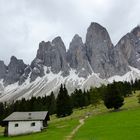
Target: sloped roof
[[27, 116]]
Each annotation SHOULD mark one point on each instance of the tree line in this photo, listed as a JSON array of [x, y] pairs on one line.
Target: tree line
[[112, 95]]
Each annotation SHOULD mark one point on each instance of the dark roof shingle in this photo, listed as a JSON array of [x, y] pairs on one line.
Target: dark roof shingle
[[27, 116]]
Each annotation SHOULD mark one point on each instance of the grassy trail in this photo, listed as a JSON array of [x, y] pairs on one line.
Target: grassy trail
[[81, 121]]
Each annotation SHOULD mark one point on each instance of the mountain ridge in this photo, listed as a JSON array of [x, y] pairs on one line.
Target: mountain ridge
[[84, 64]]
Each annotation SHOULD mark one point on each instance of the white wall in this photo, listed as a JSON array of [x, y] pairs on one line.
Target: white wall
[[24, 127]]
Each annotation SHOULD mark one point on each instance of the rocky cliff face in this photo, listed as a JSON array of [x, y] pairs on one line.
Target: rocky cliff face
[[129, 46], [105, 58], [77, 58], [25, 75], [120, 62], [2, 70], [84, 64], [52, 55], [100, 50], [15, 69]]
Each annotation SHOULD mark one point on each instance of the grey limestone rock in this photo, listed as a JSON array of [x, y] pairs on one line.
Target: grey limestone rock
[[76, 56], [25, 75], [53, 55], [37, 69], [100, 50], [2, 70], [14, 70], [129, 47]]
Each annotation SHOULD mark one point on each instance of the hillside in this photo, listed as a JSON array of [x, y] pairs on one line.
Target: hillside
[[101, 124], [111, 126]]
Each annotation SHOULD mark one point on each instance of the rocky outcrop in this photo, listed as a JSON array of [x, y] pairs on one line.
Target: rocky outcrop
[[52, 55], [2, 70], [37, 69], [15, 70], [100, 50], [59, 57], [76, 56], [120, 63], [129, 47], [25, 75]]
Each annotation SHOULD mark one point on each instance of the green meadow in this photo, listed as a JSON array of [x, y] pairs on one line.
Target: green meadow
[[122, 125], [102, 124]]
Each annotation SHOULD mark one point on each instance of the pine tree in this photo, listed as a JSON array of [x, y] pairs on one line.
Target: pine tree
[[78, 98], [94, 96], [112, 98], [63, 103], [52, 104], [86, 95], [1, 111]]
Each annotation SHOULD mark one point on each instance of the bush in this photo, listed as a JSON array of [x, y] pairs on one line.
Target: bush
[[112, 97]]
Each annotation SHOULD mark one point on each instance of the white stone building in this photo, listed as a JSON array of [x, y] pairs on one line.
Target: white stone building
[[19, 123]]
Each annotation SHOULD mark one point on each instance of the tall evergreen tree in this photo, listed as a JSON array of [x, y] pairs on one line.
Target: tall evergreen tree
[[1, 111], [63, 103], [52, 104], [94, 96], [78, 98], [86, 95], [124, 88], [112, 97]]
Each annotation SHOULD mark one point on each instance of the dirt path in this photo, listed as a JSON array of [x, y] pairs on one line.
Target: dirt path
[[81, 121]]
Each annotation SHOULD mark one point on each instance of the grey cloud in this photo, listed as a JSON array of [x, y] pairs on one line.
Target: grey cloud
[[24, 23], [120, 20]]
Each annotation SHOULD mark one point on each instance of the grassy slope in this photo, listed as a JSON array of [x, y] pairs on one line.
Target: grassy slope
[[56, 131], [59, 129], [124, 124]]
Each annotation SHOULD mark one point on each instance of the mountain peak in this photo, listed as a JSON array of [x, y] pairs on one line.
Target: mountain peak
[[57, 39], [76, 36], [95, 25], [13, 58], [15, 69], [77, 58], [2, 69], [136, 31], [76, 42], [58, 42], [97, 34]]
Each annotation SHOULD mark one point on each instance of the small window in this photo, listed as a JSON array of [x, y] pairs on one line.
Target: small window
[[16, 125], [33, 124]]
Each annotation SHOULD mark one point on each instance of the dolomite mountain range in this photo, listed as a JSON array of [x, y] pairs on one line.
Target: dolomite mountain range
[[91, 63]]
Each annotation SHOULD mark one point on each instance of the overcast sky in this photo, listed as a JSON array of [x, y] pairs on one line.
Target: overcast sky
[[25, 23]]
